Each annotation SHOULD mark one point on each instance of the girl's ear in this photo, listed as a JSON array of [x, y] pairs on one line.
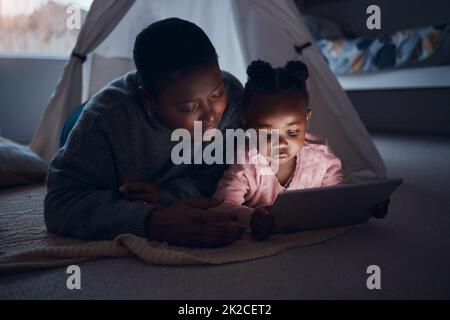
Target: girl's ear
[[308, 115]]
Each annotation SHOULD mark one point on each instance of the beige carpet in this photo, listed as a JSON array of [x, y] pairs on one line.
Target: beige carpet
[[26, 245]]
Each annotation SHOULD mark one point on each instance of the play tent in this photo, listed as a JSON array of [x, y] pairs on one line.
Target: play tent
[[241, 31]]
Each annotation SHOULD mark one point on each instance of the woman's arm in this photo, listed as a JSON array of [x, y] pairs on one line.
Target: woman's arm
[[82, 200]]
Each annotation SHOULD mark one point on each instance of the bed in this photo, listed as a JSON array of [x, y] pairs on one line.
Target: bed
[[411, 247]]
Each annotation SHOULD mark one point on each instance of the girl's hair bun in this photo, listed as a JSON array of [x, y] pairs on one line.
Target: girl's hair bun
[[260, 71], [297, 70], [263, 78]]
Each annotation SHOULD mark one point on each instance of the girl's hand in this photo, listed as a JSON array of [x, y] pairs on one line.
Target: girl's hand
[[261, 224], [144, 191], [381, 210]]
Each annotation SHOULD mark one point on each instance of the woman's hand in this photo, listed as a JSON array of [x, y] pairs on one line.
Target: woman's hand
[[261, 223], [189, 223], [144, 191]]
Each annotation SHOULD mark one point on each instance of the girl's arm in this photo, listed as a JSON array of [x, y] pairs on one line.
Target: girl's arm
[[234, 189]]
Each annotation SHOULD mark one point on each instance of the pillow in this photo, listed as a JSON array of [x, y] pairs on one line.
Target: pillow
[[19, 165]]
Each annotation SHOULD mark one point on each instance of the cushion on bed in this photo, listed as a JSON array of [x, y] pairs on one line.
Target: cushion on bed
[[19, 165], [403, 49]]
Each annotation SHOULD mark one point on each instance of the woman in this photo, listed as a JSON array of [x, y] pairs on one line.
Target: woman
[[117, 164]]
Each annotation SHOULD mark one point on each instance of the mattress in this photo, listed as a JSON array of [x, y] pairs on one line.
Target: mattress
[[26, 245], [411, 247]]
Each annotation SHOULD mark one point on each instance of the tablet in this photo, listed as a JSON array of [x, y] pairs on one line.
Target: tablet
[[329, 207]]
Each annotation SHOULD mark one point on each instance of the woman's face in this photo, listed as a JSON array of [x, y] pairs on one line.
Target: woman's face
[[283, 112], [197, 96]]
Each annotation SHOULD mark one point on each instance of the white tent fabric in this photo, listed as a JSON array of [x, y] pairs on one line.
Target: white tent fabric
[[242, 31], [100, 21], [276, 27]]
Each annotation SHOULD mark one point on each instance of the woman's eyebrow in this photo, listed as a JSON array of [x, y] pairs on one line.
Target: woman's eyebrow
[[185, 101], [194, 99], [217, 87]]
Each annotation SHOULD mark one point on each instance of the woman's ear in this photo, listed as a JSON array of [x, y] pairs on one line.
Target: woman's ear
[[308, 115], [146, 98], [243, 121]]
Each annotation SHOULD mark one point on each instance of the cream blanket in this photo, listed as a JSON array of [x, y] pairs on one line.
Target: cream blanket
[[26, 245]]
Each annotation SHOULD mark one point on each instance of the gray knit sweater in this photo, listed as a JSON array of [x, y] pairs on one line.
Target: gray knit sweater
[[115, 139]]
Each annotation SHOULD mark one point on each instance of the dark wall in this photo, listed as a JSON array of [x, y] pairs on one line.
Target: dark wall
[[395, 14], [410, 110], [26, 84]]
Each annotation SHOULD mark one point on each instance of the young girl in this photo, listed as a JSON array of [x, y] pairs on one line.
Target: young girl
[[276, 99]]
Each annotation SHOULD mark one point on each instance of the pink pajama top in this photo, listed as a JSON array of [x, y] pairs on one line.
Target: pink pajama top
[[247, 186]]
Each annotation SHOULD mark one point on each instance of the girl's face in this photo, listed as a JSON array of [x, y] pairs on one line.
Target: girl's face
[[284, 112], [197, 96]]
